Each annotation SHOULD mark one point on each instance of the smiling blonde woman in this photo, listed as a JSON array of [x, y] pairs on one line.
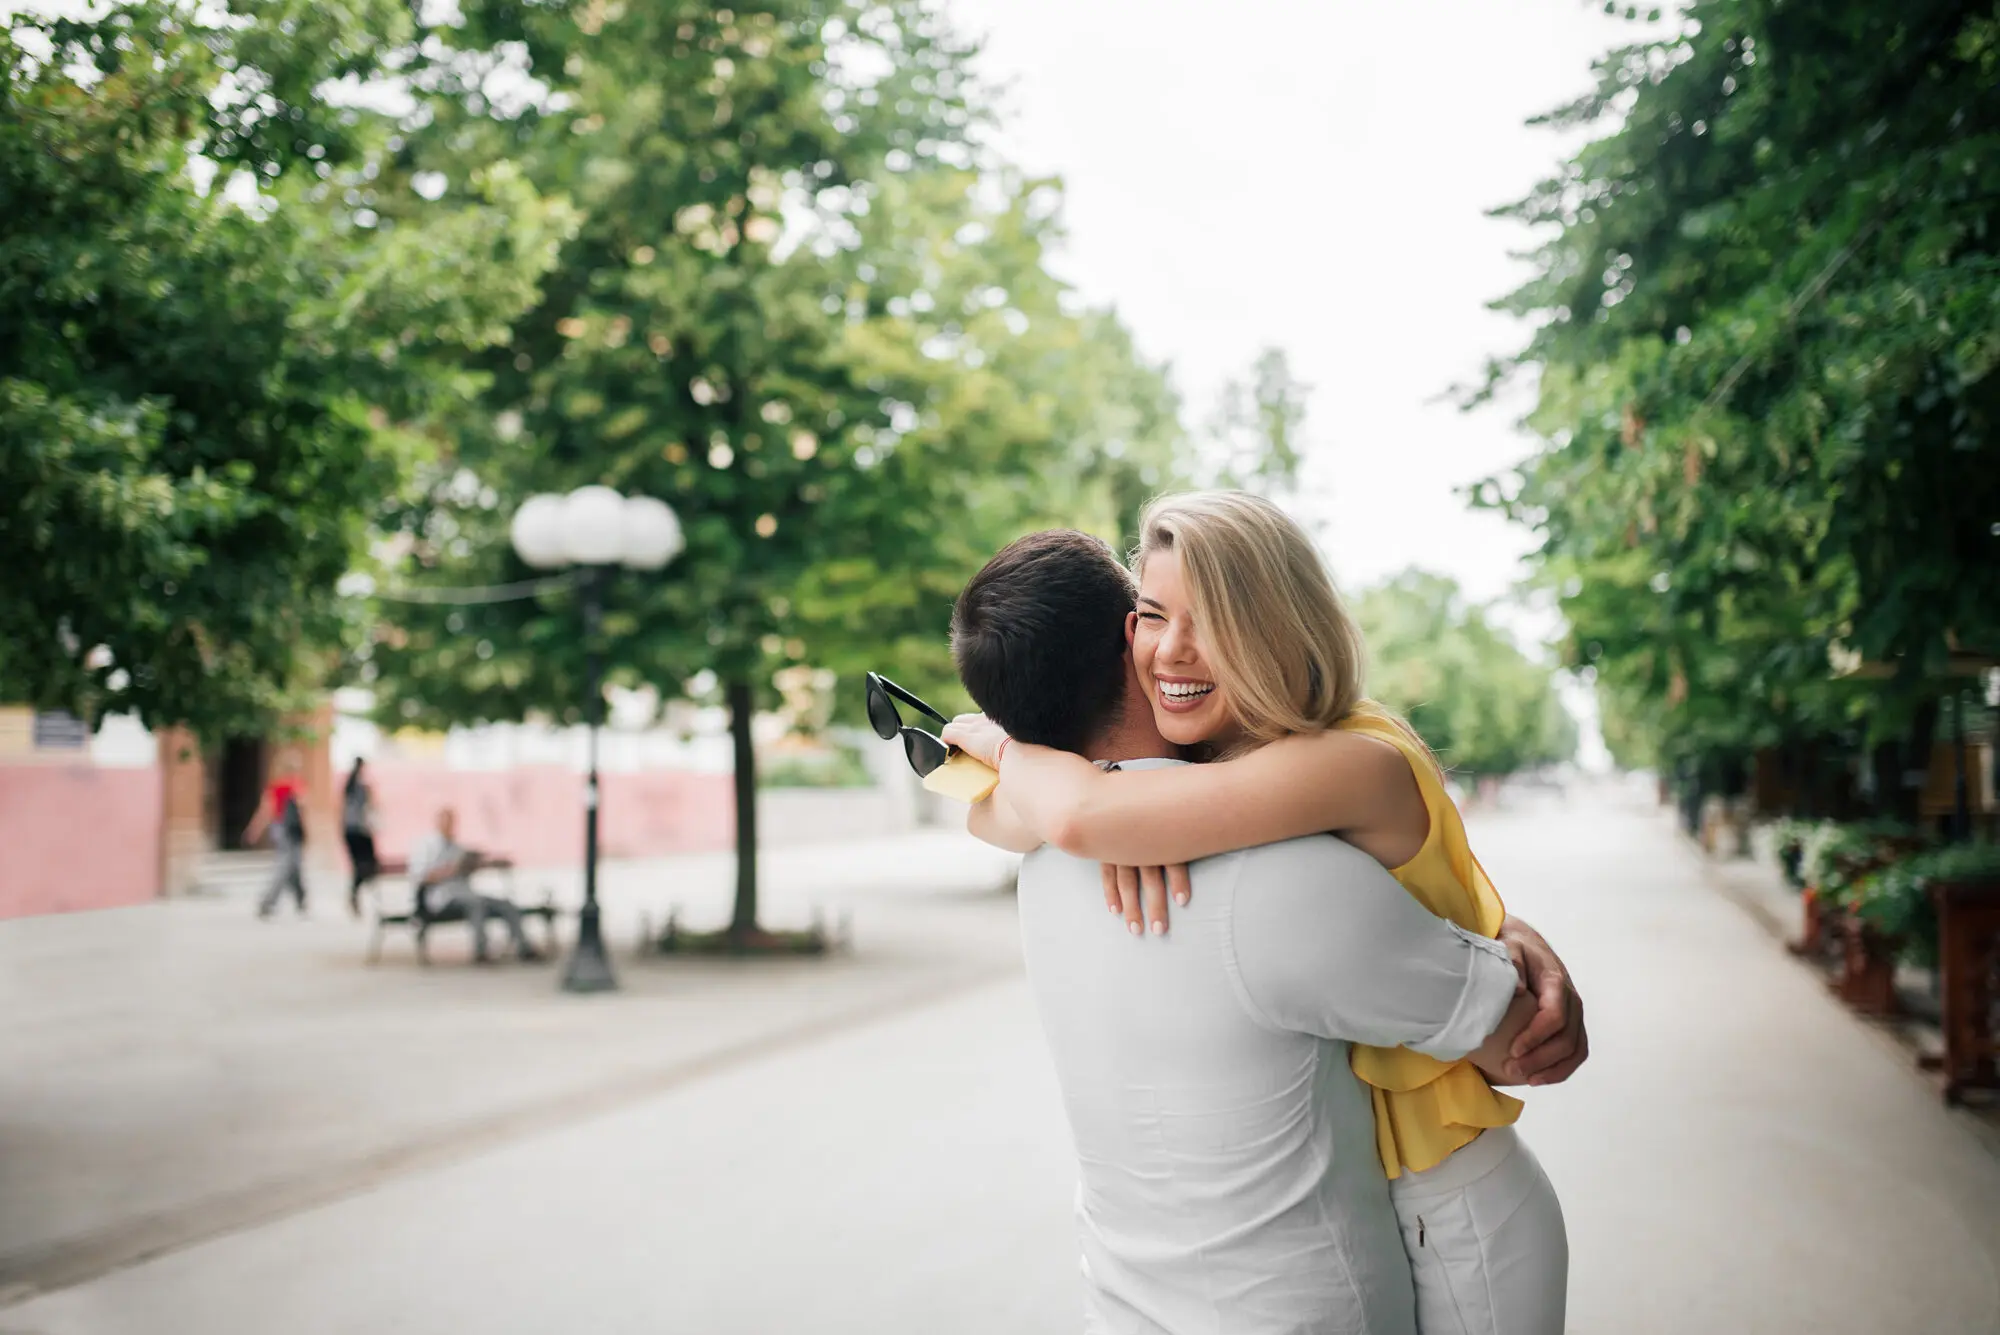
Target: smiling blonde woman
[[1252, 662]]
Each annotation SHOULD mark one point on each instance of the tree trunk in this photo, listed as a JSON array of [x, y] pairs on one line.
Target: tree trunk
[[742, 703], [1899, 793]]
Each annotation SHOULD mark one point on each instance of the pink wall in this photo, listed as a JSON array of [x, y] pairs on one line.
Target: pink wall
[[535, 815], [77, 837]]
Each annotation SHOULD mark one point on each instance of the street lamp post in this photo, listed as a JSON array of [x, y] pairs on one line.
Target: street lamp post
[[594, 528]]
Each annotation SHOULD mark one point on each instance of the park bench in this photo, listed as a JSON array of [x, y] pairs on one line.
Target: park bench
[[419, 917]]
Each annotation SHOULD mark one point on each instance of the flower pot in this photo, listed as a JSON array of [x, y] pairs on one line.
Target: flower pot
[[1867, 979], [1814, 934], [1968, 965]]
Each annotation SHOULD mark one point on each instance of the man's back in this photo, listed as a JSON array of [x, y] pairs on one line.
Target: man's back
[[1229, 1178], [1228, 1172]]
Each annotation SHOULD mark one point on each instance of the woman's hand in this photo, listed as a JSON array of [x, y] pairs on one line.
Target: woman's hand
[[1140, 894], [976, 735]]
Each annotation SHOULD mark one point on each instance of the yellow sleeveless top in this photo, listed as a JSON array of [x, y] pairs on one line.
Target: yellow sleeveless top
[[1424, 1108]]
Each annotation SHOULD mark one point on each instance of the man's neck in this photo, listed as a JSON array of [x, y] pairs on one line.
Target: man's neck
[[1131, 739]]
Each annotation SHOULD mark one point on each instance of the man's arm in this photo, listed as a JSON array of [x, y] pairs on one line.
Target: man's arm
[[456, 863], [434, 862], [1327, 943], [259, 822]]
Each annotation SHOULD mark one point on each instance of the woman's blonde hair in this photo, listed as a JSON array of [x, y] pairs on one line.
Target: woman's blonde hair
[[1280, 641]]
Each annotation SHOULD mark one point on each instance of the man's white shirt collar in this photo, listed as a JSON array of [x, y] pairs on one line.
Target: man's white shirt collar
[[1144, 762]]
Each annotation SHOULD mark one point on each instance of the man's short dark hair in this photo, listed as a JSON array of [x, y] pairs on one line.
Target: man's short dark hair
[[1039, 638]]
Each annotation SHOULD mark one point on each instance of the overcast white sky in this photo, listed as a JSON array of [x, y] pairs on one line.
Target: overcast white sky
[[1312, 174]]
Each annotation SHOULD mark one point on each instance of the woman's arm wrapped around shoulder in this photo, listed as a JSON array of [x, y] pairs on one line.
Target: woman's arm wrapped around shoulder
[[1321, 783]]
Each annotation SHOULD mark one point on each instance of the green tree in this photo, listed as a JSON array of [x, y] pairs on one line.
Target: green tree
[[1483, 705], [1769, 319], [795, 311], [1258, 425], [200, 391]]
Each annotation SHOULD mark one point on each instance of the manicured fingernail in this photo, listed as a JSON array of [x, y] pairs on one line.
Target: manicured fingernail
[[1181, 900], [1137, 930], [1114, 908], [1159, 928]]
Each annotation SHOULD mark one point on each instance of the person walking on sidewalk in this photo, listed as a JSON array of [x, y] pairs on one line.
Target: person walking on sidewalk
[[357, 822], [281, 816], [443, 868]]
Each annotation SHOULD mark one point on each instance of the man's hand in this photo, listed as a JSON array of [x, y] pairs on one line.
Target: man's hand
[[976, 735], [1555, 1042]]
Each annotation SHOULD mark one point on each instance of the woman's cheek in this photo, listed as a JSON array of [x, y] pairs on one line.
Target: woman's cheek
[[1142, 649]]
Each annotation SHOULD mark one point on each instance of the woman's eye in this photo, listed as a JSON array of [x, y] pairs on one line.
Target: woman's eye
[[1151, 616]]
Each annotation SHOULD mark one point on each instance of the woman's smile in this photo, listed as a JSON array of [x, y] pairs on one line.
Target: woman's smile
[[1181, 695]]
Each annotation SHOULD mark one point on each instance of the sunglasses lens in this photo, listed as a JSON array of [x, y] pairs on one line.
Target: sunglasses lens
[[881, 713], [926, 752]]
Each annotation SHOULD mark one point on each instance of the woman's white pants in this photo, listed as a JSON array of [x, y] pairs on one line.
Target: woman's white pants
[[1484, 1231]]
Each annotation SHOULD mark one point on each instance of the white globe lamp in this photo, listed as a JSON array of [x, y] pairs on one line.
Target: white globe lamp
[[652, 533], [538, 533], [593, 525]]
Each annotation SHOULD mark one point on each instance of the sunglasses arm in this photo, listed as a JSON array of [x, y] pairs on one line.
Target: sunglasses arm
[[909, 698]]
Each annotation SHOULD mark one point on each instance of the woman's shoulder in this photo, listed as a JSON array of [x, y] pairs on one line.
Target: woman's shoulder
[[1390, 731]]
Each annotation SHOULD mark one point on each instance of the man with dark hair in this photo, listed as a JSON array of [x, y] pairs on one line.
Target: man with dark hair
[[1050, 607], [1229, 1172]]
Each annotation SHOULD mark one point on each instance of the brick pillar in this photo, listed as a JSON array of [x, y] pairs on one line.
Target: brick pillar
[[321, 803], [186, 826]]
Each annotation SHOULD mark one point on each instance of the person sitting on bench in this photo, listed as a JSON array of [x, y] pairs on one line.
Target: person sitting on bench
[[442, 870]]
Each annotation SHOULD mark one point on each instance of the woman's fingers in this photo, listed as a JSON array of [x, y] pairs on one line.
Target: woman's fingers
[[1140, 894], [974, 734], [1153, 898], [1128, 900]]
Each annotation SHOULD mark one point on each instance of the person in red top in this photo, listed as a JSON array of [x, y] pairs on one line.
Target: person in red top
[[281, 814]]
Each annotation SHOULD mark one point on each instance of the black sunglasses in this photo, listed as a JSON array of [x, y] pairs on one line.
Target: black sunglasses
[[925, 751]]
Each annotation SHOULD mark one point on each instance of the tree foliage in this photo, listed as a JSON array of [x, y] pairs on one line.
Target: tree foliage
[[804, 308], [1481, 703], [201, 391], [796, 311], [1258, 427], [1769, 320]]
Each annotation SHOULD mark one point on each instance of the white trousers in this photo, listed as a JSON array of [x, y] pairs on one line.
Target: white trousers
[[1484, 1231]]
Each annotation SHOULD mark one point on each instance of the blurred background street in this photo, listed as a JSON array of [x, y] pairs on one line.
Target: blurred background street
[[464, 459], [875, 1143]]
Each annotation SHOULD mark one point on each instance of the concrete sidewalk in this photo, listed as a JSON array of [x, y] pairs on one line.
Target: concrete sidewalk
[[1739, 1157], [179, 1070]]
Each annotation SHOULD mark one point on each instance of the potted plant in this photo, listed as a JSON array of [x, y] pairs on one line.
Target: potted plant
[[1788, 840], [1895, 901], [1815, 864], [1947, 901], [1833, 859], [1880, 912]]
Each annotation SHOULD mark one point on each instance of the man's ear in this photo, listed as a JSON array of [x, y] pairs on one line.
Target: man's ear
[[1131, 629]]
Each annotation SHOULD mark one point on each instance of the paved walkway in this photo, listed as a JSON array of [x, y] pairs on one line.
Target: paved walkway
[[1740, 1155], [180, 1069]]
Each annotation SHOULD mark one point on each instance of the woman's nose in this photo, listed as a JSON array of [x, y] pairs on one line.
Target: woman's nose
[[1177, 645]]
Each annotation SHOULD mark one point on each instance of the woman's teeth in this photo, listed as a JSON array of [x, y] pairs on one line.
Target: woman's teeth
[[1183, 691]]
